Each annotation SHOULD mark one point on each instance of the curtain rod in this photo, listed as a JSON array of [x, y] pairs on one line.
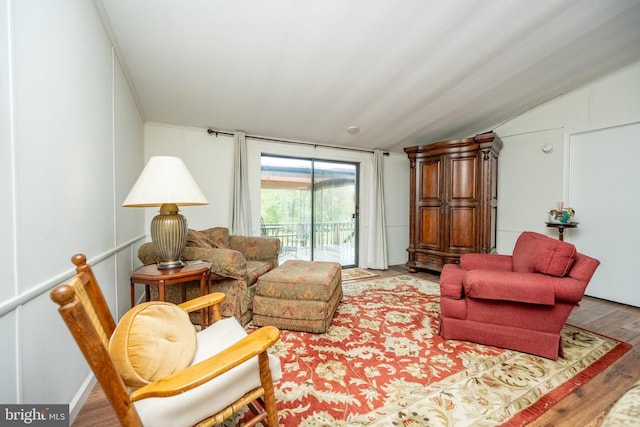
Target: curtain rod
[[264, 138]]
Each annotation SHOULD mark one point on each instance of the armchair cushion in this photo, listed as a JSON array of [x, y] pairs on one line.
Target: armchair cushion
[[486, 262], [199, 239], [219, 236], [536, 253], [216, 237], [509, 286], [257, 248], [151, 341], [192, 406], [556, 260]]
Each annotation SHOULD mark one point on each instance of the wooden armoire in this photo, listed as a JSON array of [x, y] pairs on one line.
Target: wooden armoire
[[452, 200]]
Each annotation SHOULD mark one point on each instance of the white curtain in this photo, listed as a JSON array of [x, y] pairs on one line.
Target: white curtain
[[377, 253], [241, 206]]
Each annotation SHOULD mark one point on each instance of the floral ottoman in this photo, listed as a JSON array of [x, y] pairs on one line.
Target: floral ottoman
[[298, 296]]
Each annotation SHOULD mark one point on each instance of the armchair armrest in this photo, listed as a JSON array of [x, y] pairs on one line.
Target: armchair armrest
[[533, 288], [204, 301], [255, 344], [568, 289], [486, 262], [224, 262], [210, 300], [257, 248], [451, 279]]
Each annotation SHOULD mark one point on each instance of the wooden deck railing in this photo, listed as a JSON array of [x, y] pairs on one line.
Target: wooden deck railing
[[295, 235]]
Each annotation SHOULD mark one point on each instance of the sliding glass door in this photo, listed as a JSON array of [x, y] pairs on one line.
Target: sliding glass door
[[311, 206]]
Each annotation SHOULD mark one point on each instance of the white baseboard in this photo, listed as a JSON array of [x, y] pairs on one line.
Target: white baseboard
[[81, 396]]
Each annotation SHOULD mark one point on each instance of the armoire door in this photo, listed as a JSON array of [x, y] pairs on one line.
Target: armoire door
[[462, 203], [430, 222]]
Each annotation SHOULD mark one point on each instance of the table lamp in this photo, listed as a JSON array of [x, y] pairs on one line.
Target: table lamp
[[166, 182]]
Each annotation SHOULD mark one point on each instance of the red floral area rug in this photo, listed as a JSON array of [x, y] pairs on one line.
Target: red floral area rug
[[382, 363]]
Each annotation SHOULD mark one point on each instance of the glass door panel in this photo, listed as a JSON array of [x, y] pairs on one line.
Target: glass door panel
[[285, 204], [334, 202]]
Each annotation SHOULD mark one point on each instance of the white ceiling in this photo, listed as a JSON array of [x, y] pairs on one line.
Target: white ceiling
[[406, 72]]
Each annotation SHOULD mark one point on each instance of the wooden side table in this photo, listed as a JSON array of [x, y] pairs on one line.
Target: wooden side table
[[151, 275], [561, 228]]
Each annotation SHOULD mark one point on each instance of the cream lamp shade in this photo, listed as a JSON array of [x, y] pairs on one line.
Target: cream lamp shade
[[167, 183]]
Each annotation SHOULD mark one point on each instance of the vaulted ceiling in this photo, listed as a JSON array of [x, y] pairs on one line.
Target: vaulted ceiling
[[406, 72]]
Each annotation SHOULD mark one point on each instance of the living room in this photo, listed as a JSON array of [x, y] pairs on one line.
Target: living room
[[74, 140]]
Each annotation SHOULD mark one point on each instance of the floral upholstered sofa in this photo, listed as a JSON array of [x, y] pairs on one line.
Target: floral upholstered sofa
[[236, 264]]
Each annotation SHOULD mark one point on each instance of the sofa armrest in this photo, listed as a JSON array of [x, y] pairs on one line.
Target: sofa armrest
[[530, 288], [257, 248], [486, 262]]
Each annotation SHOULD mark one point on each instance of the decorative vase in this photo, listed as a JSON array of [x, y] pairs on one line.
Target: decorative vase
[[564, 216]]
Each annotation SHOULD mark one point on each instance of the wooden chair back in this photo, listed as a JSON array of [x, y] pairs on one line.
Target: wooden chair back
[[87, 315]]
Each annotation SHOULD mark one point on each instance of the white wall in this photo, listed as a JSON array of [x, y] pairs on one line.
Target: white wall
[[593, 168], [210, 160], [71, 146]]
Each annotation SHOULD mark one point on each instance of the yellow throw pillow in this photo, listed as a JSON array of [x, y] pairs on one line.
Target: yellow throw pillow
[[152, 340]]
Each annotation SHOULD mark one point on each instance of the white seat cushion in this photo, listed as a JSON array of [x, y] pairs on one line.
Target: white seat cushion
[[188, 408]]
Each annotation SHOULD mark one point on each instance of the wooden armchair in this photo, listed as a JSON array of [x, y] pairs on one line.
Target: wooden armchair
[[229, 369]]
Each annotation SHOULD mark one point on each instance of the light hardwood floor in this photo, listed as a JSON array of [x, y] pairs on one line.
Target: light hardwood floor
[[586, 406]]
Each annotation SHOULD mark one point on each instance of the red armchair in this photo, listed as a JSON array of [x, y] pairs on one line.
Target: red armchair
[[518, 301]]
